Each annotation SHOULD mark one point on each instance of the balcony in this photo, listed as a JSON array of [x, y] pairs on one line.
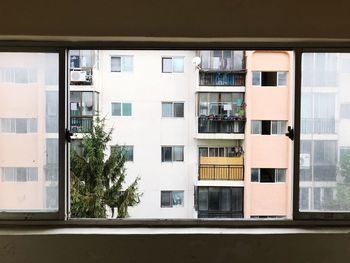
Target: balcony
[[222, 60], [221, 168], [81, 124], [221, 124], [221, 79], [317, 126]]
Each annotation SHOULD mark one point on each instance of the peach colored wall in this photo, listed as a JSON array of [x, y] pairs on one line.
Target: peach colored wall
[[28, 195], [268, 199], [18, 147], [270, 61], [15, 101], [269, 103], [269, 151]]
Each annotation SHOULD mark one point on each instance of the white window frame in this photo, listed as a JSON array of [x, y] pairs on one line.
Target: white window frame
[[172, 64], [173, 109], [121, 109], [275, 178], [122, 65]]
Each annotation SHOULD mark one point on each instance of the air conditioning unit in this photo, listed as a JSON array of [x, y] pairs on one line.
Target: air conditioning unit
[[78, 75], [305, 161]]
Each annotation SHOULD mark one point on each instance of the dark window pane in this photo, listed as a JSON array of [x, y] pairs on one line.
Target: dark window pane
[[203, 198], [214, 198], [165, 199], [237, 199], [268, 78], [178, 109], [265, 127], [267, 175], [225, 202], [166, 154]]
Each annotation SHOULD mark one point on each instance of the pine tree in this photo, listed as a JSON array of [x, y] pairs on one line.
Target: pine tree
[[97, 181]]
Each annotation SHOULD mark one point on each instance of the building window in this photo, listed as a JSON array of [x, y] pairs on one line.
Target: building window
[[172, 64], [221, 103], [172, 153], [19, 174], [171, 199], [18, 125], [269, 79], [235, 151], [269, 127], [220, 202], [122, 63], [121, 109], [172, 109], [268, 175], [128, 150]]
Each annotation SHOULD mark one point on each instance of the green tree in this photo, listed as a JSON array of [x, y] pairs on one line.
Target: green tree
[[97, 181], [342, 200]]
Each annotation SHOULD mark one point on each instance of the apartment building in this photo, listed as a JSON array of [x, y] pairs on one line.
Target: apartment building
[[204, 130], [28, 132]]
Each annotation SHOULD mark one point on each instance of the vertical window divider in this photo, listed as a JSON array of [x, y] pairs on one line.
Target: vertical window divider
[[64, 155]]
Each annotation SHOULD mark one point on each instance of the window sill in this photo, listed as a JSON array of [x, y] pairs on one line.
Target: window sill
[[195, 226]]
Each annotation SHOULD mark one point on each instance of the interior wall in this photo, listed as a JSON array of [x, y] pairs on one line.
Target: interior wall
[[281, 20], [175, 248], [180, 18]]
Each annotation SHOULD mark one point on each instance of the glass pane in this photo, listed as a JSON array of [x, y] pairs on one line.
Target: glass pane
[[178, 153], [178, 65], [324, 166], [165, 199], [256, 78], [24, 157], [128, 63], [116, 64], [178, 198], [167, 65], [214, 198], [167, 154], [256, 127], [87, 103], [203, 198], [282, 79], [116, 109], [167, 109], [255, 175], [225, 202], [126, 109], [178, 109]]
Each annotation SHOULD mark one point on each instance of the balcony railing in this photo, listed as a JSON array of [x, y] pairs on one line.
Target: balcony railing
[[221, 79], [221, 172], [317, 125], [81, 124], [221, 124]]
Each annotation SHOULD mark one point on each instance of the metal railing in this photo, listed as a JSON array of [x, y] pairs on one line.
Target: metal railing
[[217, 124], [81, 124], [221, 172], [221, 79]]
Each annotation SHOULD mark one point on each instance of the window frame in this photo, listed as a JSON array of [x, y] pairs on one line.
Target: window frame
[[121, 109], [63, 125], [314, 216], [172, 153], [299, 219], [173, 109], [122, 68], [172, 64]]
